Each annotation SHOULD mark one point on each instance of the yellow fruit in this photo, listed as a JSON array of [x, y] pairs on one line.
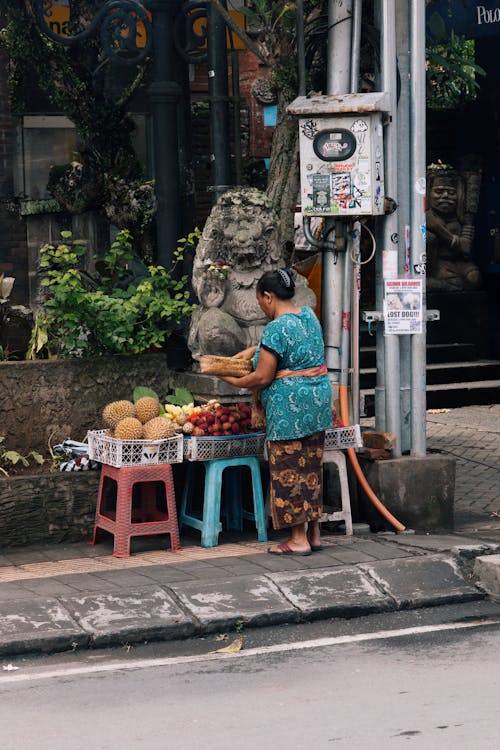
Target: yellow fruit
[[129, 429], [158, 429], [147, 408], [116, 411]]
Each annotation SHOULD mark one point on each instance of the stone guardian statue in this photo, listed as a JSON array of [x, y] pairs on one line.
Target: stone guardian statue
[[238, 244]]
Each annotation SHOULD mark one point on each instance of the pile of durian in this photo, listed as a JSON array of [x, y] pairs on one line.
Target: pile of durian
[[147, 419]]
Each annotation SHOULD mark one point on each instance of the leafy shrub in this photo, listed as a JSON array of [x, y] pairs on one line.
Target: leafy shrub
[[11, 459], [112, 311]]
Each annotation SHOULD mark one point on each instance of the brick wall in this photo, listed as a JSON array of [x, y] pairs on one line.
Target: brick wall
[[260, 136], [13, 247]]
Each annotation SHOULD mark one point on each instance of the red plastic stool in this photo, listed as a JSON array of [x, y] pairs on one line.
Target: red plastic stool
[[152, 521]]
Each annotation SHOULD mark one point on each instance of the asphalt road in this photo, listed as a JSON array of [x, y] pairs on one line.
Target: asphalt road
[[425, 679]]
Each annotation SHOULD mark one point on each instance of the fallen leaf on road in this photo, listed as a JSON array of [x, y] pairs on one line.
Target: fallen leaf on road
[[236, 645]]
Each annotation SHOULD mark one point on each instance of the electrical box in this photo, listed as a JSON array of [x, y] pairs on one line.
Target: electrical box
[[341, 154]]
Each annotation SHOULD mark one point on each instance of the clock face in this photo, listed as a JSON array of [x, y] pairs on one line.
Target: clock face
[[335, 144]]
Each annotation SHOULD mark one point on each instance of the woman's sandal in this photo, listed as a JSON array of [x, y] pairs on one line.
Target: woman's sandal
[[284, 549]]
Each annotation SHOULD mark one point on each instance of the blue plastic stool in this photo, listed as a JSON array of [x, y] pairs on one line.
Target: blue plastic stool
[[210, 525]]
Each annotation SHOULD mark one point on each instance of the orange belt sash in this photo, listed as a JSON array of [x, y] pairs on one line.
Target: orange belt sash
[[308, 372]]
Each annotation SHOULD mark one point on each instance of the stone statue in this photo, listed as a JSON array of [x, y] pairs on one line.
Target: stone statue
[[452, 200], [238, 244]]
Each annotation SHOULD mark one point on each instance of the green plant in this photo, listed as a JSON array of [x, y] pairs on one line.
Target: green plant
[[111, 311], [12, 458], [451, 67]]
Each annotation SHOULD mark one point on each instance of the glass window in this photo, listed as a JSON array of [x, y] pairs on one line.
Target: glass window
[[42, 142]]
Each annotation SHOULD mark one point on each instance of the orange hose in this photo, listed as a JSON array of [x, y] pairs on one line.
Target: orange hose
[[344, 414]]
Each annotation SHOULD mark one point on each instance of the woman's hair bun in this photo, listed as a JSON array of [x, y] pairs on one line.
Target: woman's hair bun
[[286, 277]]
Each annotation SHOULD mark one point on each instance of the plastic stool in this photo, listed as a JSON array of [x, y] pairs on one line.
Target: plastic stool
[[153, 521], [338, 457], [210, 525]]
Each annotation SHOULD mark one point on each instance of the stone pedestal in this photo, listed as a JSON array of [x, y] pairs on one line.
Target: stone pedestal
[[418, 491], [206, 387]]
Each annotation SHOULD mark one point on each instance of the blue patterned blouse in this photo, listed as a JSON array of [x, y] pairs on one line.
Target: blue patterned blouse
[[296, 406]]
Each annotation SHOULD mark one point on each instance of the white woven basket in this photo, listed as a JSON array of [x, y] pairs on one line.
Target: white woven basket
[[118, 453], [343, 437], [206, 448]]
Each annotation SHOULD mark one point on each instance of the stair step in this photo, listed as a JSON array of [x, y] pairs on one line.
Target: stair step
[[436, 353], [446, 372], [447, 395]]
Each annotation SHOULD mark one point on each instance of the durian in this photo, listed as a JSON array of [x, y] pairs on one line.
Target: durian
[[158, 429], [116, 411], [129, 429], [147, 408]]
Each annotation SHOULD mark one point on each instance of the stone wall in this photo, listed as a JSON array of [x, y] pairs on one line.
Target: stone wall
[[48, 401], [47, 508]]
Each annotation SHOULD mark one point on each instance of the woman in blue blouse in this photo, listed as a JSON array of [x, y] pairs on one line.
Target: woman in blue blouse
[[295, 392]]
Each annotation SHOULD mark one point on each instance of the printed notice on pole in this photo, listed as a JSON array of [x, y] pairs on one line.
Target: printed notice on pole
[[403, 306]]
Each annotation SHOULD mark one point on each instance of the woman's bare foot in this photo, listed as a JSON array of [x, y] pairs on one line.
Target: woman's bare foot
[[314, 536], [297, 544]]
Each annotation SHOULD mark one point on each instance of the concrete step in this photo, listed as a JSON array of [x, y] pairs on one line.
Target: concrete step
[[446, 372], [446, 395], [435, 353]]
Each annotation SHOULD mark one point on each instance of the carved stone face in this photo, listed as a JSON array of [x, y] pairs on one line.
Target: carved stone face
[[443, 196], [243, 237]]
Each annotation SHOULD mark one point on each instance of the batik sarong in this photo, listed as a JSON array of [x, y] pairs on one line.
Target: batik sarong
[[296, 479]]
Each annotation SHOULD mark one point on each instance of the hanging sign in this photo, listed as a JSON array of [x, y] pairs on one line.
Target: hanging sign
[[403, 306]]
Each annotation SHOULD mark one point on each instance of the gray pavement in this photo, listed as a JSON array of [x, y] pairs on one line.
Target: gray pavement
[[67, 597]]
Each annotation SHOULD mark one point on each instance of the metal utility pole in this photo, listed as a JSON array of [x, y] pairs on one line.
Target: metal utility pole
[[390, 223], [338, 82], [417, 193], [403, 212], [219, 102], [164, 94]]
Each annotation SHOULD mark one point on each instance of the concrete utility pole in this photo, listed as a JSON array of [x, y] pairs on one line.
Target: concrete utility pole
[[338, 82]]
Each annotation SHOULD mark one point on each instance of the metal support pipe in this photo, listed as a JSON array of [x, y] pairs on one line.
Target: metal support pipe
[[390, 227], [219, 104], [356, 289], [312, 240], [417, 182], [403, 213], [355, 249], [357, 17], [346, 306], [164, 94]]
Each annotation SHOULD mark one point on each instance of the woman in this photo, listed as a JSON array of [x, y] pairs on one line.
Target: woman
[[295, 391]]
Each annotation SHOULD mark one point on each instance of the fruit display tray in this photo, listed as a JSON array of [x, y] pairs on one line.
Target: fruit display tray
[[118, 453], [206, 448], [343, 437]]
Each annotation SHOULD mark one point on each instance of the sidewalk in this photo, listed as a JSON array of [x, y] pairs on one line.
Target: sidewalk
[[56, 598]]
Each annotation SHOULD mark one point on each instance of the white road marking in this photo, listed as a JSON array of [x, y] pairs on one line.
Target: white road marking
[[72, 671]]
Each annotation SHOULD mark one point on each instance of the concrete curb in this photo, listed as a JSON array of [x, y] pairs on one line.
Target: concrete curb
[[195, 608]]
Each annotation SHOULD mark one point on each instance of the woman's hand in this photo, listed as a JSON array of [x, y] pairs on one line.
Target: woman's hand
[[246, 353], [262, 376]]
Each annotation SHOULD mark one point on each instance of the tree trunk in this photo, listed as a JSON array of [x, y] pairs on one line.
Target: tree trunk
[[284, 180]]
